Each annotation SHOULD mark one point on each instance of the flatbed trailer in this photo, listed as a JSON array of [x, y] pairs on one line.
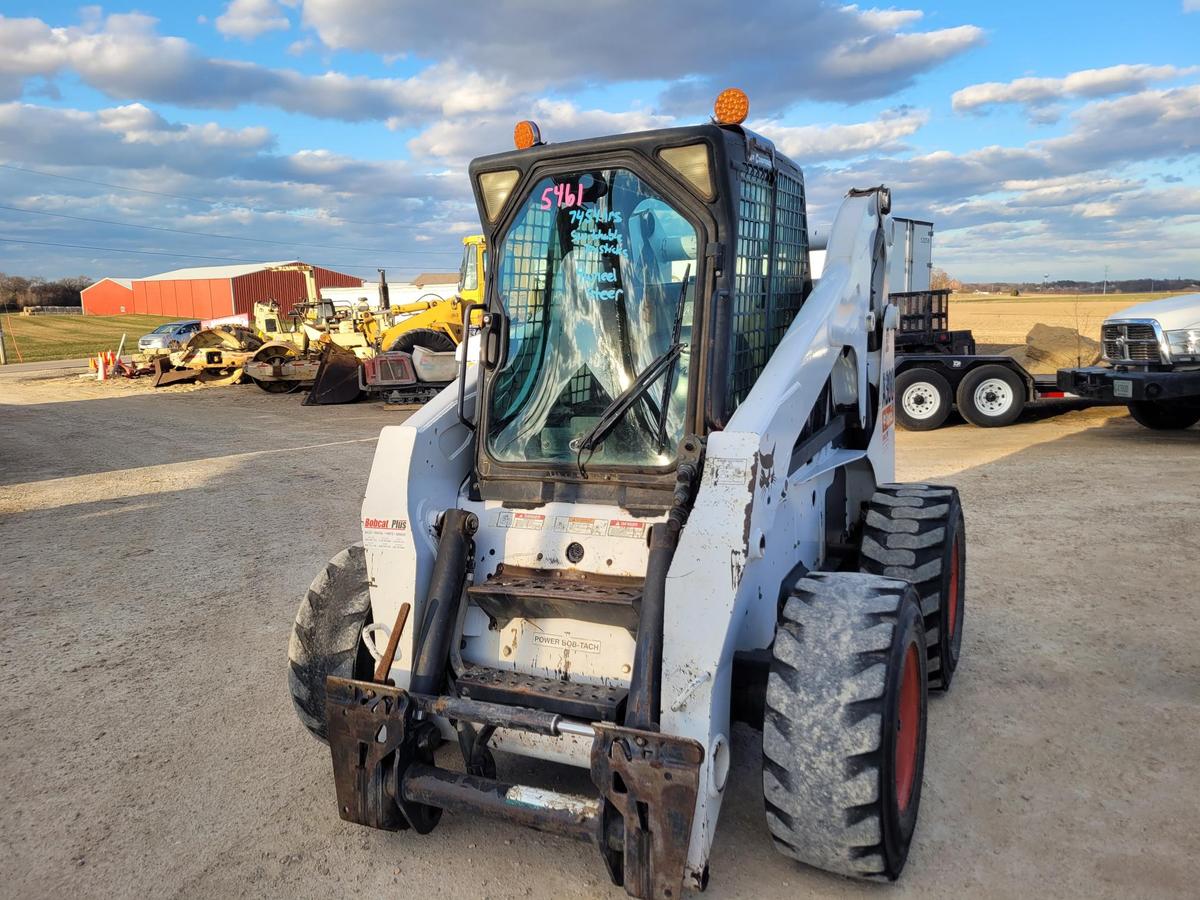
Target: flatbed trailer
[[938, 370]]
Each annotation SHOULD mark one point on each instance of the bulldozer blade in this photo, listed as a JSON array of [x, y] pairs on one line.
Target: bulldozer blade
[[337, 379], [166, 374]]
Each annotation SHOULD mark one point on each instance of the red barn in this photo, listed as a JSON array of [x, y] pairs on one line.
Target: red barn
[[212, 292], [108, 297]]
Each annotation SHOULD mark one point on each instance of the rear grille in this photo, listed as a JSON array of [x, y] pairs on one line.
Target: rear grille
[[389, 369], [1132, 342]]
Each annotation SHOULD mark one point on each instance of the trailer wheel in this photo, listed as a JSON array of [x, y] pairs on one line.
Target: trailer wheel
[[924, 399], [844, 729], [916, 532], [991, 396], [1166, 415], [327, 637], [438, 341]]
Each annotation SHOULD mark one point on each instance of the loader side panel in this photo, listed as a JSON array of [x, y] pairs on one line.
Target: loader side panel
[[418, 469]]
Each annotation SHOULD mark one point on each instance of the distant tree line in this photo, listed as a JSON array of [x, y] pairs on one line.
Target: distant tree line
[[17, 292], [940, 279]]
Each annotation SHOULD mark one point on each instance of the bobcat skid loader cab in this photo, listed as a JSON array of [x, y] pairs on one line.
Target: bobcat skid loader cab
[[664, 503]]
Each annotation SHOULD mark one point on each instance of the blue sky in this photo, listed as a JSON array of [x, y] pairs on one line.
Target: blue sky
[[1042, 138]]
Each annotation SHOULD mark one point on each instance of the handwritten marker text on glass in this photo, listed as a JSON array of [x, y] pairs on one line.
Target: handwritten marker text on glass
[[565, 195]]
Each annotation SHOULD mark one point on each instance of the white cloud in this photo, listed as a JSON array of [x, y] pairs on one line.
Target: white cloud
[[247, 19], [454, 142], [812, 143], [887, 19], [506, 66], [1037, 94], [125, 58], [772, 49], [127, 136], [1003, 211], [325, 200], [881, 54], [1191, 6]]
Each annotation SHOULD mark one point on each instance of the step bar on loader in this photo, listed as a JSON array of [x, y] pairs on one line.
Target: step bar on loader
[[383, 738]]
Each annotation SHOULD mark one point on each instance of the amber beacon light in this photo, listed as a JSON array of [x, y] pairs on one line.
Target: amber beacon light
[[526, 134], [732, 107]]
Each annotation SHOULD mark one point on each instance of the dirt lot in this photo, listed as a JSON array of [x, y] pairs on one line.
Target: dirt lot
[[153, 548], [1004, 322]]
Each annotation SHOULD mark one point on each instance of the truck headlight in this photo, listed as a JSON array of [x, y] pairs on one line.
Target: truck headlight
[[1184, 345]]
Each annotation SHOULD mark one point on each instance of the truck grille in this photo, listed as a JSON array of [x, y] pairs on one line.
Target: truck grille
[[1132, 342]]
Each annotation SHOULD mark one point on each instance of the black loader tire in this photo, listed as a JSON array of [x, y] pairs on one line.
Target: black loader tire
[[428, 338], [993, 413], [844, 727], [934, 393], [1166, 415], [327, 637], [916, 532]]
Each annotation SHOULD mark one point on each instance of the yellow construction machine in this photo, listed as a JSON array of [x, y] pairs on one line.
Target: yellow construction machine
[[213, 356], [416, 357], [296, 343]]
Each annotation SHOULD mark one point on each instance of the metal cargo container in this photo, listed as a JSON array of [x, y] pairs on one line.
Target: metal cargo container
[[911, 261]]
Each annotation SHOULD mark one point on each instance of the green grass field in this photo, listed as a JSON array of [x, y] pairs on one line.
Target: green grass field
[[39, 338]]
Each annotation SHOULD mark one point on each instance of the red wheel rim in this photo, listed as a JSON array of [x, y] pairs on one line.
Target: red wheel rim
[[908, 727], [952, 607]]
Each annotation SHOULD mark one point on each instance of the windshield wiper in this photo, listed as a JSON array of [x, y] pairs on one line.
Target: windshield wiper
[[676, 327], [615, 411]]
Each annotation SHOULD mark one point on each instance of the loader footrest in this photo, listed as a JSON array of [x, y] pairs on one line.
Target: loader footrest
[[515, 591], [589, 702]]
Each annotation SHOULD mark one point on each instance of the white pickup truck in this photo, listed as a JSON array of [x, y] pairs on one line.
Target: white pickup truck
[[1153, 355]]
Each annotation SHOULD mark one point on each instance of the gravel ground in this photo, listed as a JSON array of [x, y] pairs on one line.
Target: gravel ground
[[153, 549]]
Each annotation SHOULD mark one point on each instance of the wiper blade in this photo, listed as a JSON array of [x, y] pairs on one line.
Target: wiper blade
[[676, 328], [615, 411]]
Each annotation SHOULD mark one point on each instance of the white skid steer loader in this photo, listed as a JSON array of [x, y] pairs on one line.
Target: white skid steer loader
[[662, 502]]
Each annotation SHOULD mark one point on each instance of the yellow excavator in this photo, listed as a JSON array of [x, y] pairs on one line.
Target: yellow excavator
[[417, 352], [343, 352]]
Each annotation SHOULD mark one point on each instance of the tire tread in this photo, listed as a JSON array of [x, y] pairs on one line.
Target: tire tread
[[904, 535], [822, 729]]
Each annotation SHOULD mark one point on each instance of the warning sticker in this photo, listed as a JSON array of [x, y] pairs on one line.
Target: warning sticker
[[384, 533], [727, 471], [626, 529], [581, 525], [506, 518], [566, 642]]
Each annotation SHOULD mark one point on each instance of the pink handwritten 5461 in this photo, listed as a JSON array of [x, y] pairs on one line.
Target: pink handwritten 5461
[[562, 195]]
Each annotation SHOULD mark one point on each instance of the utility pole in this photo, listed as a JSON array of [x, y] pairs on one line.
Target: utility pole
[[3, 351], [1105, 281]]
